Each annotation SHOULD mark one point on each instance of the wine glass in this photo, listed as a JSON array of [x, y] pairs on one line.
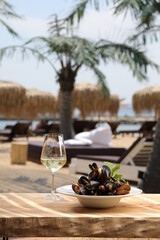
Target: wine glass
[[53, 157]]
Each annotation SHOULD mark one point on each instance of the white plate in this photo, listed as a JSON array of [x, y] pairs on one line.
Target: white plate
[[96, 201]]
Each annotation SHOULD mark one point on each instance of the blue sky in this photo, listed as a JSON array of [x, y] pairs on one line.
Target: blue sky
[[95, 25]]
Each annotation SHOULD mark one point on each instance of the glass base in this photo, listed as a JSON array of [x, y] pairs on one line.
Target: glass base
[[53, 197]]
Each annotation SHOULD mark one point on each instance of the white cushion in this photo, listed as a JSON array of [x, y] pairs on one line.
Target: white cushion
[[78, 142], [101, 135]]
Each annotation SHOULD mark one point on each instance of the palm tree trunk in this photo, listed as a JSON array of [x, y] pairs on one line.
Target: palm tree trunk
[[156, 113], [151, 181], [66, 114]]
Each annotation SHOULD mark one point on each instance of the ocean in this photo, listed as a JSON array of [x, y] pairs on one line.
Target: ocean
[[129, 112], [126, 112]]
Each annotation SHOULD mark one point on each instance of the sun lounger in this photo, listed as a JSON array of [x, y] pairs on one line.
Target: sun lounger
[[147, 129], [53, 128], [114, 126], [35, 148], [134, 159], [86, 125], [40, 128], [49, 128], [83, 125], [19, 129]]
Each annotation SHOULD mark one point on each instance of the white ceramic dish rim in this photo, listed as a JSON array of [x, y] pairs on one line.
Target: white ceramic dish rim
[[133, 191]]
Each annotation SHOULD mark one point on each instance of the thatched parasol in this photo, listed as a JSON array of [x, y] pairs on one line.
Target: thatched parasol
[[38, 102], [111, 105], [88, 98], [83, 98], [11, 98], [147, 100]]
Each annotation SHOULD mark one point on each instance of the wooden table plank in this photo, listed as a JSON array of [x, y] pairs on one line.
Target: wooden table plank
[[30, 215]]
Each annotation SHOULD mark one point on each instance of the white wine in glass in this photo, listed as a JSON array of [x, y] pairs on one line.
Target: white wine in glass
[[53, 157]]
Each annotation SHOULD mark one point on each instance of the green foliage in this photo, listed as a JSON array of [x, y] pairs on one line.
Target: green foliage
[[72, 52], [77, 12], [25, 51], [146, 13], [143, 10], [124, 54], [6, 12], [114, 168]]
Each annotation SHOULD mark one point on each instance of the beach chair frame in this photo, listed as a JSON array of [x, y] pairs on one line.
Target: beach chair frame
[[130, 164]]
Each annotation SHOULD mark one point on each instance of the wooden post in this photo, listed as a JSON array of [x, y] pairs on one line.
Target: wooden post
[[19, 151]]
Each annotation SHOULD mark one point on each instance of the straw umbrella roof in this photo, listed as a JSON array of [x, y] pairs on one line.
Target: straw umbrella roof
[[11, 98], [84, 95], [38, 102], [147, 100], [88, 98], [114, 104]]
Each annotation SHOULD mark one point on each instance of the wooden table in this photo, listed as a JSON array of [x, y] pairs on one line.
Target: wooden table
[[30, 215]]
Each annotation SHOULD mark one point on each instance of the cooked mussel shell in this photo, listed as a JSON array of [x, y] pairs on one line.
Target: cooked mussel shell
[[94, 174], [102, 190], [94, 184], [76, 188], [118, 183], [100, 182], [110, 187], [83, 181], [105, 174], [91, 190], [107, 170], [83, 190], [93, 167]]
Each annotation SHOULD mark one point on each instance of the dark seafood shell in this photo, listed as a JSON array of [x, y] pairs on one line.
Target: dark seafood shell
[[83, 181]]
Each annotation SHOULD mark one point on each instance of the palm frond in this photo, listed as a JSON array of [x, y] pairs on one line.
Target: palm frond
[[79, 50], [145, 12], [26, 52], [9, 29], [145, 35], [56, 25], [101, 82], [6, 12], [77, 12], [124, 54], [132, 6]]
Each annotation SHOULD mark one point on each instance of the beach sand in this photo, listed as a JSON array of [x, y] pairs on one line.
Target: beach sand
[[34, 177]]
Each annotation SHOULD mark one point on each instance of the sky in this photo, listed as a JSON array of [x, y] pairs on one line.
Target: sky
[[94, 26]]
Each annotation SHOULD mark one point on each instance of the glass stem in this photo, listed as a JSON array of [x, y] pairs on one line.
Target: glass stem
[[52, 189]]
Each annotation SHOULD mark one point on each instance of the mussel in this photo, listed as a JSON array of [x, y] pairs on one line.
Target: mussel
[[100, 182], [95, 173], [105, 174], [83, 181], [76, 188]]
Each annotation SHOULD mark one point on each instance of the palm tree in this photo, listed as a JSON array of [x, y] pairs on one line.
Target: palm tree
[[73, 52], [6, 12]]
